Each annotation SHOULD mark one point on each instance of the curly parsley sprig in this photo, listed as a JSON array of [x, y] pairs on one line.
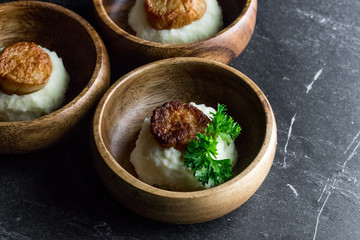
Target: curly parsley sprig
[[200, 155]]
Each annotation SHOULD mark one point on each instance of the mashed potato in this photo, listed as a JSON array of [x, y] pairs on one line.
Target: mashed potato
[[208, 25], [29, 106], [164, 167]]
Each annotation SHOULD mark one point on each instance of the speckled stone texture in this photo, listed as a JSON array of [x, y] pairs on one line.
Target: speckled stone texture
[[305, 56]]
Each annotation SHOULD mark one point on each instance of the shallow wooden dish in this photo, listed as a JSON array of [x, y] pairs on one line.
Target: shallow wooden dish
[[121, 112], [239, 18], [84, 56]]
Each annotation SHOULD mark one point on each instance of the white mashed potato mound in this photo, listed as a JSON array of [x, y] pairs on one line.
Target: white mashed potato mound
[[164, 167], [33, 105], [210, 23]]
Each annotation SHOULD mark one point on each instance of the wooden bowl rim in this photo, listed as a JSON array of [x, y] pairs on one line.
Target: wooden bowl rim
[[100, 9], [269, 138], [98, 64]]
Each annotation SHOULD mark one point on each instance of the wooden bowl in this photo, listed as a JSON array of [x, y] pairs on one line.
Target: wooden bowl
[[128, 51], [85, 59], [121, 112]]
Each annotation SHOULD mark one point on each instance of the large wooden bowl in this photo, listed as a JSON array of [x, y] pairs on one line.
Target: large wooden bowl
[[128, 51], [121, 112], [85, 59]]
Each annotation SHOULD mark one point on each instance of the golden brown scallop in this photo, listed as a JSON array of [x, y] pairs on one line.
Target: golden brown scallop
[[175, 123], [168, 14], [24, 68]]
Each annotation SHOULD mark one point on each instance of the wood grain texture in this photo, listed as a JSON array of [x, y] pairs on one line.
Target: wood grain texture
[[120, 114], [84, 56], [112, 17]]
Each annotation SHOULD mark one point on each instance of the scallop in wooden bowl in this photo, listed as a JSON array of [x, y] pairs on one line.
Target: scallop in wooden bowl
[[123, 108], [85, 59], [128, 51]]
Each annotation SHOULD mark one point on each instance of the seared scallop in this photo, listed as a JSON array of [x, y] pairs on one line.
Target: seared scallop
[[166, 14], [174, 124], [24, 68]]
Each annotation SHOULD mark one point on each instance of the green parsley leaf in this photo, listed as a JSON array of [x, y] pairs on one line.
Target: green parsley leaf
[[200, 155]]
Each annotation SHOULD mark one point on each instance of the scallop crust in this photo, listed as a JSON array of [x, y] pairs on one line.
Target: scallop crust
[[165, 14], [174, 124], [24, 68]]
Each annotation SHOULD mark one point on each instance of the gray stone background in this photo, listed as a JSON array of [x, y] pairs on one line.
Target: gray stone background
[[305, 56]]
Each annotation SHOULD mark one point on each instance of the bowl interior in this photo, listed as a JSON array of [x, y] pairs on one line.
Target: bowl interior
[[134, 97], [118, 11], [50, 26]]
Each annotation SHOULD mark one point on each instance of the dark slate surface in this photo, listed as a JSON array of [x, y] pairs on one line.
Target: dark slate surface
[[305, 56]]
